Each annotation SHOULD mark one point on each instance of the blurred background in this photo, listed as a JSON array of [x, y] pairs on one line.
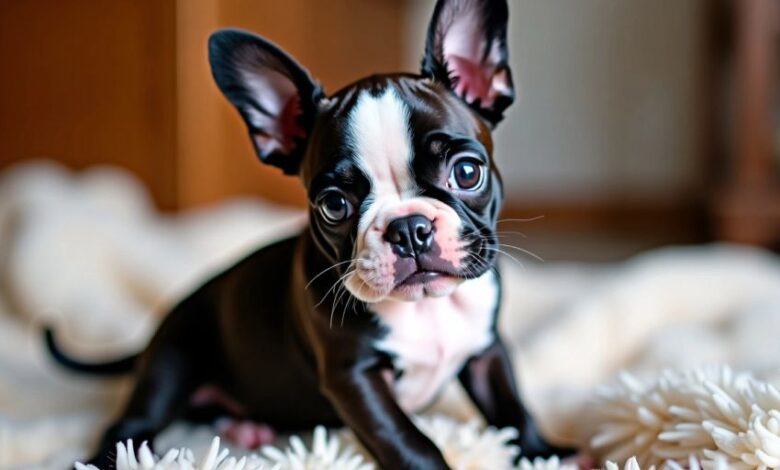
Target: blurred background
[[639, 123], [126, 179]]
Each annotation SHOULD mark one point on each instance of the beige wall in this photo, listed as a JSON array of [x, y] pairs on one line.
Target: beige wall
[[609, 97]]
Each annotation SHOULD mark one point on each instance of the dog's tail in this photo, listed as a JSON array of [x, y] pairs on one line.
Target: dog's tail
[[115, 367]]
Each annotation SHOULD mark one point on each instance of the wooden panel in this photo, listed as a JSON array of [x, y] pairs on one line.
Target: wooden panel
[[338, 41], [755, 93], [201, 113], [89, 82], [673, 220], [127, 83], [747, 208]]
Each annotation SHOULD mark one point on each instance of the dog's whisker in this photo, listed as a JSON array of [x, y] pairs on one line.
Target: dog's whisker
[[337, 295], [489, 238], [342, 291], [485, 263], [473, 270], [344, 310], [496, 236], [333, 308], [523, 250], [332, 267], [509, 232], [502, 252], [354, 305], [354, 301], [327, 292], [350, 299], [479, 260], [334, 286], [529, 219], [337, 298]]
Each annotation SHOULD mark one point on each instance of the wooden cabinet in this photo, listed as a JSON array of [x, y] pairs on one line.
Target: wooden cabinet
[[747, 202], [126, 82], [90, 82]]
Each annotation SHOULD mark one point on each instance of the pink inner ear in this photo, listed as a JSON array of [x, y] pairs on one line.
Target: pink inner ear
[[278, 96], [279, 133], [478, 75], [475, 80]]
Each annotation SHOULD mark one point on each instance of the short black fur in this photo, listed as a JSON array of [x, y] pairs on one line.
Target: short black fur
[[263, 331], [222, 48]]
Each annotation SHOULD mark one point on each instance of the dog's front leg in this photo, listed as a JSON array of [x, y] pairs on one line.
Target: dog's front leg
[[489, 380], [365, 402]]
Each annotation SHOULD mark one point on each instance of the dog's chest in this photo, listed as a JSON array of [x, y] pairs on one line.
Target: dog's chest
[[432, 338]]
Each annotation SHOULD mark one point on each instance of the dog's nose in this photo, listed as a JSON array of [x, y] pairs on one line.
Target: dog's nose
[[410, 236]]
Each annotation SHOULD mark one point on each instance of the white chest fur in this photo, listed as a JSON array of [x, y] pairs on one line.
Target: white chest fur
[[432, 338]]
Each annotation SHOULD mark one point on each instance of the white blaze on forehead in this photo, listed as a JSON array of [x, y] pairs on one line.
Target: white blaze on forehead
[[380, 136]]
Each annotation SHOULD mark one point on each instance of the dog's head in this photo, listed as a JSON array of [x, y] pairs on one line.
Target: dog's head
[[403, 190]]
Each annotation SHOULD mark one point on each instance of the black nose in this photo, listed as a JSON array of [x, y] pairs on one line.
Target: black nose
[[410, 236]]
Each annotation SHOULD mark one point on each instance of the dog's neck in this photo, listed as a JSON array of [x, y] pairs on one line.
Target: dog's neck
[[430, 339]]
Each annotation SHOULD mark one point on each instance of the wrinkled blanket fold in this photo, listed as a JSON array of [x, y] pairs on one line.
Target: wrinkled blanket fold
[[88, 254]]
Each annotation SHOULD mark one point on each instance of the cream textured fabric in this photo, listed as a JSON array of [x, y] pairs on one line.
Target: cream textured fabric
[[87, 253]]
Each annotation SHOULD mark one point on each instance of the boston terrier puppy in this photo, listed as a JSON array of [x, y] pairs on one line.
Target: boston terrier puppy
[[390, 293]]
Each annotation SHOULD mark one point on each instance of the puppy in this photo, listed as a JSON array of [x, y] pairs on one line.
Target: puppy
[[391, 292]]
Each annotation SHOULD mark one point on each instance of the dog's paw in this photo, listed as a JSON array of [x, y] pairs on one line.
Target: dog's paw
[[246, 434], [581, 461]]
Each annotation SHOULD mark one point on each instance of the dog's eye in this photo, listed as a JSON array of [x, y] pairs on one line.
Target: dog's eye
[[334, 207], [466, 175]]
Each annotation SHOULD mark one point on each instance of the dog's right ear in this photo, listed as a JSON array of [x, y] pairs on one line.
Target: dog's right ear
[[466, 50], [276, 97]]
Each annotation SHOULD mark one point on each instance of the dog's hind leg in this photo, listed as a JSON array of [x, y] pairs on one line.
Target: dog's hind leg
[[211, 405], [246, 434], [176, 363], [160, 396]]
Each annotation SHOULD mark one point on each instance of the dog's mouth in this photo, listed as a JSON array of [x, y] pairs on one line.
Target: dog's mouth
[[421, 276], [425, 283]]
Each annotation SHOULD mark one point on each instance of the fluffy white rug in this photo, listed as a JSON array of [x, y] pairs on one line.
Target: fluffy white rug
[[466, 445], [88, 253], [710, 418], [713, 415]]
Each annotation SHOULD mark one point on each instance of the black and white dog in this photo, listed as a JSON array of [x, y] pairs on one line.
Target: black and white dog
[[391, 292]]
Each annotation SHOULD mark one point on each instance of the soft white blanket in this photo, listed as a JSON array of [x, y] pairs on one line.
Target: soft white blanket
[[88, 254]]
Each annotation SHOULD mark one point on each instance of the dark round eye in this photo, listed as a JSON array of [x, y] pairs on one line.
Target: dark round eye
[[334, 207], [466, 175]]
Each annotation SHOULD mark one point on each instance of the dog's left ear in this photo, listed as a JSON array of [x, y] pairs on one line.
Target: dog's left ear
[[276, 97], [466, 50]]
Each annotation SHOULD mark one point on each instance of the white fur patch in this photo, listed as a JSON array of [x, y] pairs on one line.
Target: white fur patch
[[380, 137], [382, 141], [433, 337]]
